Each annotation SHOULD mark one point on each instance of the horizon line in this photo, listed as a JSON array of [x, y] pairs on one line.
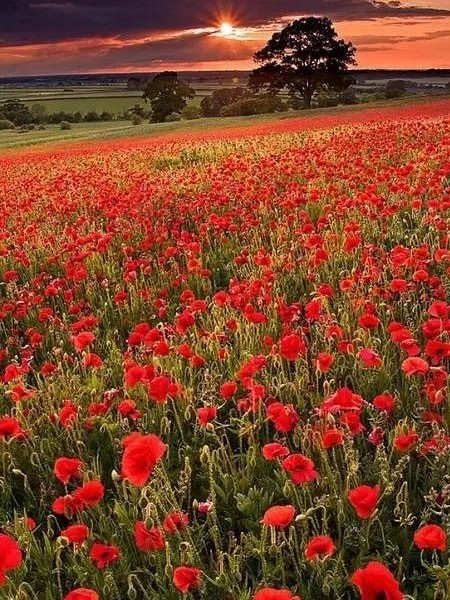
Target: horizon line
[[130, 73]]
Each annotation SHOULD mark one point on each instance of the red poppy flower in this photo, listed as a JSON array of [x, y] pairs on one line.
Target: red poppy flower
[[65, 468], [375, 437], [352, 421], [82, 340], [12, 371], [68, 413], [332, 437], [103, 554], [342, 400], [206, 414], [174, 522], [384, 402], [292, 346], [82, 594], [405, 441], [205, 507], [134, 374], [140, 456], [398, 285], [76, 534], [437, 351], [300, 468], [185, 351], [274, 450], [67, 505], [161, 388], [10, 427], [148, 540], [369, 321], [284, 417], [10, 555], [274, 594], [279, 516], [410, 346], [414, 365], [90, 493], [228, 389], [320, 547], [369, 358], [432, 537], [184, 578], [92, 360], [375, 581], [313, 309], [324, 362], [364, 500]]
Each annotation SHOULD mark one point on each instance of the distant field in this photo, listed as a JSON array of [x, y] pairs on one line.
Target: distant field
[[113, 99], [116, 99], [112, 104]]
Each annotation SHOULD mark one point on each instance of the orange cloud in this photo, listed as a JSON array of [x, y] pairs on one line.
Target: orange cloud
[[384, 43]]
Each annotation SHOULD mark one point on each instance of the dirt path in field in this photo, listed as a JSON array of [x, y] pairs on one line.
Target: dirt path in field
[[420, 108]]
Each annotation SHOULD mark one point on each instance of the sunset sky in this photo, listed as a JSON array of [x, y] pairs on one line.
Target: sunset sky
[[78, 36]]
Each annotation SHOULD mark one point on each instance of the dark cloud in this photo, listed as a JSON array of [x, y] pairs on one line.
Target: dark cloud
[[105, 35], [40, 21], [145, 56]]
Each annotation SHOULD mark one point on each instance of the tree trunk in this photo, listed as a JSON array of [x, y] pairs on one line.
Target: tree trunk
[[307, 97]]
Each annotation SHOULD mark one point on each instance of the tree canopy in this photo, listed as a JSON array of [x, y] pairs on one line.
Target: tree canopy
[[303, 57], [167, 95], [16, 111], [213, 105]]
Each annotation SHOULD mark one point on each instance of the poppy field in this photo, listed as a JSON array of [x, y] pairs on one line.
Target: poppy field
[[224, 364]]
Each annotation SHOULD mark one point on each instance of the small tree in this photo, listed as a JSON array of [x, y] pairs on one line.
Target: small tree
[[348, 97], [173, 117], [305, 56], [341, 84], [5, 124], [213, 105], [16, 111], [39, 113], [254, 106], [190, 113], [167, 95], [138, 110], [91, 116], [396, 88], [135, 83]]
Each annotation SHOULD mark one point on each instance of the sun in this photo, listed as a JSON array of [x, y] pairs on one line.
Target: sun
[[226, 29]]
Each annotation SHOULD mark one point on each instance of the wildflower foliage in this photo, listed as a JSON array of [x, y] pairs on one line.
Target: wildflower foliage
[[224, 365]]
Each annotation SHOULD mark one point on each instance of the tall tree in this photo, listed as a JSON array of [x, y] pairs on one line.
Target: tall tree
[[167, 94], [303, 57]]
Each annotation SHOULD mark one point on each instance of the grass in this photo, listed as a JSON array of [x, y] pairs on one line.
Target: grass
[[124, 129], [111, 104]]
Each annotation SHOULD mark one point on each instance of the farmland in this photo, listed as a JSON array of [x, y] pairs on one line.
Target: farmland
[[224, 357], [115, 99], [53, 136]]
